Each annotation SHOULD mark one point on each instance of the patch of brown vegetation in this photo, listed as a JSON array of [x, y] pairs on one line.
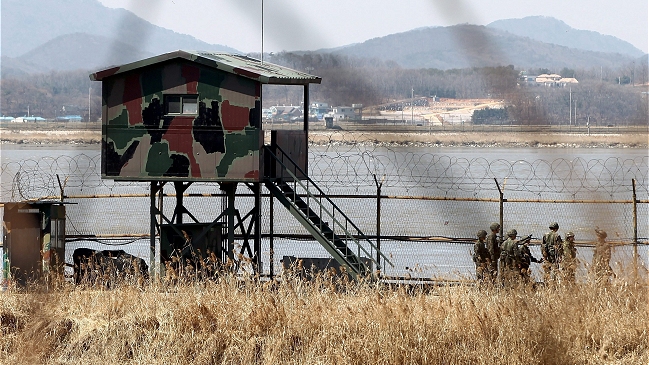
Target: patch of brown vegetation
[[50, 137], [511, 139], [234, 321], [320, 136]]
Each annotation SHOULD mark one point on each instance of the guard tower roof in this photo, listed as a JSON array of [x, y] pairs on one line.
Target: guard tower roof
[[266, 73]]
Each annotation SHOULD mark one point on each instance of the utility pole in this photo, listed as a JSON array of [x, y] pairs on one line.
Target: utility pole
[[262, 32], [570, 109], [412, 106]]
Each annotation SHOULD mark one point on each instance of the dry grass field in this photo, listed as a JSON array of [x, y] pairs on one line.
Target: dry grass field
[[635, 137], [292, 321], [481, 139]]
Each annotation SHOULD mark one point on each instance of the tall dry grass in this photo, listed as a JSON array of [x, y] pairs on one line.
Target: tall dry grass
[[324, 321]]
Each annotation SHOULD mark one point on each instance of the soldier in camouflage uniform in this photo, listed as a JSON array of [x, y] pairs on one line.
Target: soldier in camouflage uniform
[[601, 258], [481, 256], [569, 260], [510, 259], [493, 246], [526, 260], [551, 251]]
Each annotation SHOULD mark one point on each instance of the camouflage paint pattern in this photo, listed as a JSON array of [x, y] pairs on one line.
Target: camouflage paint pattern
[[221, 142]]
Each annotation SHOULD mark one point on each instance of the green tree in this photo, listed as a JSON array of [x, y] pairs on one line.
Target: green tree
[[567, 72]]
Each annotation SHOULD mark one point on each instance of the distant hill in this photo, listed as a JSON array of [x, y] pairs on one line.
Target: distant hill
[[27, 25], [84, 34], [466, 45], [13, 67], [82, 51], [551, 30]]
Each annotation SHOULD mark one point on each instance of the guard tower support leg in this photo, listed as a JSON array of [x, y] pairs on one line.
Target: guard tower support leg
[[257, 229], [306, 108], [180, 209], [156, 186], [180, 190], [230, 191]]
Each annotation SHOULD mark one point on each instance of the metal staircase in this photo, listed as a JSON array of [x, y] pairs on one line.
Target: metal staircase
[[320, 216]]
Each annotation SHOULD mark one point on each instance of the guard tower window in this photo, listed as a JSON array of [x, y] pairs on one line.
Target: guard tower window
[[181, 104]]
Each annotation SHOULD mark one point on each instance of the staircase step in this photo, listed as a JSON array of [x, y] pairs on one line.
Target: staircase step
[[327, 237]]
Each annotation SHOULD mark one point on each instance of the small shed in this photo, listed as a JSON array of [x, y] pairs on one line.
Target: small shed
[[34, 240], [188, 116]]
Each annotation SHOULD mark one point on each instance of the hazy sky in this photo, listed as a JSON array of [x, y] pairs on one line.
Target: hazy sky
[[313, 24]]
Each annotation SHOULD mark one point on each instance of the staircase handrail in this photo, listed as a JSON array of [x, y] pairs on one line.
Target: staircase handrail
[[323, 195]]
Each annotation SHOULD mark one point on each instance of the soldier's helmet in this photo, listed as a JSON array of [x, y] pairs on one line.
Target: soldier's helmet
[[512, 232], [482, 233], [570, 234], [554, 225], [494, 226]]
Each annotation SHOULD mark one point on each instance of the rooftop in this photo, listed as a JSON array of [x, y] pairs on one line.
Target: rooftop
[[264, 72]]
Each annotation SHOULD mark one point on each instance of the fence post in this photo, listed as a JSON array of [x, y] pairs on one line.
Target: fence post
[[271, 240], [635, 214], [62, 186], [378, 221], [502, 200], [635, 233], [153, 268]]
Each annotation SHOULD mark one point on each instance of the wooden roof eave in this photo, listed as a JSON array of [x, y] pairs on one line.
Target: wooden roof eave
[[283, 81]]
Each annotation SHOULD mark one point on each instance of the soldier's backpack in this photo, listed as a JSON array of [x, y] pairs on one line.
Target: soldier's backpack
[[480, 253], [548, 248], [507, 253], [493, 247]]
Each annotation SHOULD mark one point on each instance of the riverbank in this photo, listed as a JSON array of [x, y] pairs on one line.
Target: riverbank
[[350, 137], [481, 139], [52, 137]]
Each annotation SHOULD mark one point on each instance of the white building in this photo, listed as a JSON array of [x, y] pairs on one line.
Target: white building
[[29, 119], [286, 113], [318, 110], [342, 113], [567, 81], [548, 79]]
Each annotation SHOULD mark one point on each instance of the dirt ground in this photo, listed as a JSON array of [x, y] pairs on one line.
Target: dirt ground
[[623, 138]]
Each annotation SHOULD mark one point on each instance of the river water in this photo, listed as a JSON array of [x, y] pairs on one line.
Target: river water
[[467, 172]]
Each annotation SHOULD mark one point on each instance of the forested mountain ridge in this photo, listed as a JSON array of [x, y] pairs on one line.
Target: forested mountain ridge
[[84, 51], [51, 35], [551, 30], [466, 45], [31, 29]]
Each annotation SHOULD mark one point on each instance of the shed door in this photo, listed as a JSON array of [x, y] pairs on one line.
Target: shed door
[[25, 253]]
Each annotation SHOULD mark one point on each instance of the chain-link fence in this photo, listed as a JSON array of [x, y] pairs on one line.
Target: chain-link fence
[[431, 203]]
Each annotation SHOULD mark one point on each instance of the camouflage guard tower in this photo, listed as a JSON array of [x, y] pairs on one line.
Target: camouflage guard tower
[[186, 117]]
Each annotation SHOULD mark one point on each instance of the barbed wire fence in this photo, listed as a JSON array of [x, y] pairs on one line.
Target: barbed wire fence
[[431, 204]]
